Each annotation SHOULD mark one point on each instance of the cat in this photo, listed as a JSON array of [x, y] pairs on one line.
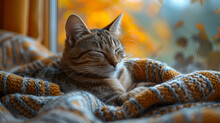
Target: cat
[[93, 60]]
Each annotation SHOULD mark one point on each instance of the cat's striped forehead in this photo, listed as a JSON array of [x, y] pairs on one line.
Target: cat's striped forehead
[[100, 39]]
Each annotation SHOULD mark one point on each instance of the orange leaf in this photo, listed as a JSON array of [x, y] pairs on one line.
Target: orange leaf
[[179, 24], [202, 34], [192, 1], [201, 2], [200, 27], [218, 35], [217, 11], [153, 9]]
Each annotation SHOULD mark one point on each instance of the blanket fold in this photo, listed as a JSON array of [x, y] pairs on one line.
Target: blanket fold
[[11, 83]]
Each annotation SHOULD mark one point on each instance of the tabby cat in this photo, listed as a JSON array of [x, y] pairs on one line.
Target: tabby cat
[[93, 61]]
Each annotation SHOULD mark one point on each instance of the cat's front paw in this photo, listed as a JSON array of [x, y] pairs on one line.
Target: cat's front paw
[[141, 84], [124, 97], [131, 94], [146, 84]]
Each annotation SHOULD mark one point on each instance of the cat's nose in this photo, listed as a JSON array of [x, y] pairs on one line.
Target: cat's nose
[[114, 63]]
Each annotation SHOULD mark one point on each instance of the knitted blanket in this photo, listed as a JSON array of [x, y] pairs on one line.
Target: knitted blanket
[[177, 97]]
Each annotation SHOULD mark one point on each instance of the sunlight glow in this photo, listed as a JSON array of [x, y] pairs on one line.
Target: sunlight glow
[[179, 3]]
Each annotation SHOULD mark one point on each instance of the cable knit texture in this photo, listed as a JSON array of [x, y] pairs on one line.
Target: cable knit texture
[[176, 98]]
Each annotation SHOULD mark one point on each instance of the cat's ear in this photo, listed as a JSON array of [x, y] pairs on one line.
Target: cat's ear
[[75, 27], [115, 26]]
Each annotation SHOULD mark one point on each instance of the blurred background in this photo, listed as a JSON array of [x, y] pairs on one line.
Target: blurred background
[[183, 33]]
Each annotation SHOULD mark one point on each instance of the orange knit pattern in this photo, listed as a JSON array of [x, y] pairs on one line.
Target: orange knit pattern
[[11, 84]]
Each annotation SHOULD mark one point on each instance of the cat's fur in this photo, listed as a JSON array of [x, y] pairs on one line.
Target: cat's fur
[[94, 62]]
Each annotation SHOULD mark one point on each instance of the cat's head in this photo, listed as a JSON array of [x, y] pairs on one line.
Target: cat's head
[[97, 52]]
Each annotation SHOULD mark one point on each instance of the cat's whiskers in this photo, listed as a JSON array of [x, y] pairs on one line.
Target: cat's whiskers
[[130, 55], [130, 68]]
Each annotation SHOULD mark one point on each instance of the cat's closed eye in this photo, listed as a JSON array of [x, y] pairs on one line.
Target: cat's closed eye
[[96, 54], [117, 50], [120, 53]]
